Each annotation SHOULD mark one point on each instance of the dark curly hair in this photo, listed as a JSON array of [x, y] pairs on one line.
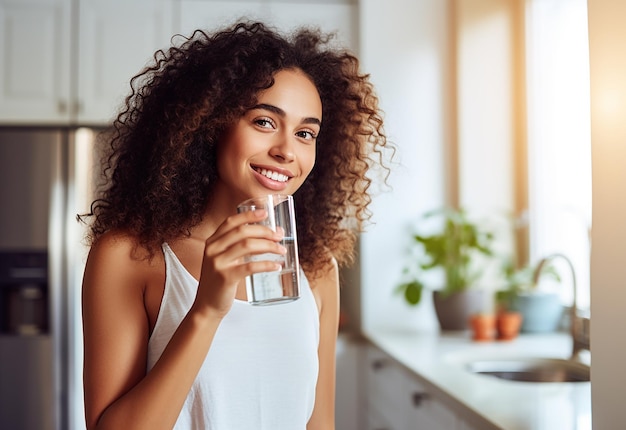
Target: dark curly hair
[[160, 165]]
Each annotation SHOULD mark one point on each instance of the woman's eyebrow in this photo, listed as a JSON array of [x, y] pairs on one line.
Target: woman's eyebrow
[[282, 113]]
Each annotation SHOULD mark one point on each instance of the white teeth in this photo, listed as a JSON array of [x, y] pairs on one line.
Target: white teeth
[[275, 176]]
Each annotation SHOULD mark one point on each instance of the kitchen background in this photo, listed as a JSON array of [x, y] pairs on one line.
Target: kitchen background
[[461, 83]]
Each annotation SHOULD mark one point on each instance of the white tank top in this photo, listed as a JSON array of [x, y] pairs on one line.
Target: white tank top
[[261, 370]]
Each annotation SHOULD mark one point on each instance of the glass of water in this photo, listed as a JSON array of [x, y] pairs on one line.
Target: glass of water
[[283, 285]]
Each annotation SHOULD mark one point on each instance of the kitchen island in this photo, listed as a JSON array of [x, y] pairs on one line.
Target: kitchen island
[[438, 362]]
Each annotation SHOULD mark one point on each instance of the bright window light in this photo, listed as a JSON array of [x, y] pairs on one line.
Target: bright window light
[[559, 141]]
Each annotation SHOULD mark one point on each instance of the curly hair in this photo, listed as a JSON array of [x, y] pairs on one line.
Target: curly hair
[[161, 162]]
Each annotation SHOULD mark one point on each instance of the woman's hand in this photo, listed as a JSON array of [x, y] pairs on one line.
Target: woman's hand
[[225, 265]]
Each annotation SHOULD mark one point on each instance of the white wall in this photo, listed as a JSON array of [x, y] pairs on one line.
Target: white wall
[[405, 48], [443, 70], [607, 44]]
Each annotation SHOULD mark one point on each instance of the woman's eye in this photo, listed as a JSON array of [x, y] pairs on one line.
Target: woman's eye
[[306, 134], [264, 122]]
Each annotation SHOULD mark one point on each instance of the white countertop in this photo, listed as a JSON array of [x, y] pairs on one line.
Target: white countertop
[[438, 360]]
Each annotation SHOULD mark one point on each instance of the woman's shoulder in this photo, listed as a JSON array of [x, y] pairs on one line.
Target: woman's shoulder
[[119, 252], [123, 244], [123, 278]]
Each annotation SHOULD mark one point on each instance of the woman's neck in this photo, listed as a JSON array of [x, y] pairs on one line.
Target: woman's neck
[[218, 208]]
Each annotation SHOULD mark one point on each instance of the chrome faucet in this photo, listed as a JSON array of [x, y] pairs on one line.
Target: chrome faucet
[[579, 326]]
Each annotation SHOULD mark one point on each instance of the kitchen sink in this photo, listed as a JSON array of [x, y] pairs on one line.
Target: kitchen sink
[[531, 369]]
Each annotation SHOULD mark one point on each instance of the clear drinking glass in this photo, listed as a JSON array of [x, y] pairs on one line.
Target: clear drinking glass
[[283, 285]]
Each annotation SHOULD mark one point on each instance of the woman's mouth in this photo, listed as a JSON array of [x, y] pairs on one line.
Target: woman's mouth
[[270, 174]]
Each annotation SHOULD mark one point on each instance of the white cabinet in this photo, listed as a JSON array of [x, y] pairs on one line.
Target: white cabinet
[[70, 61], [347, 383], [213, 14], [339, 16], [117, 38], [35, 68], [395, 399], [67, 62]]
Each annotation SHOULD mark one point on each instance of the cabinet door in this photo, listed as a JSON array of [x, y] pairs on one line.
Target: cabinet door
[[118, 38], [210, 15], [427, 412], [396, 399], [336, 17], [347, 383], [340, 17], [387, 401], [463, 425], [374, 421], [35, 61]]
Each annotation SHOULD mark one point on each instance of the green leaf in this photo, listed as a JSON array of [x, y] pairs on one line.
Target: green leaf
[[413, 292]]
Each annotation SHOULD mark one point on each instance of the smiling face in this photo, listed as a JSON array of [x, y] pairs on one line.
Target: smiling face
[[271, 149]]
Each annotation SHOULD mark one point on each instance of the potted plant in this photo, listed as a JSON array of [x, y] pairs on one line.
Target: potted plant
[[540, 310], [483, 326], [460, 249]]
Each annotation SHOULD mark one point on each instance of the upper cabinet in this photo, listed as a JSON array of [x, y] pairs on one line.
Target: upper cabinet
[[338, 16], [70, 62], [213, 14], [35, 65], [117, 39], [65, 62]]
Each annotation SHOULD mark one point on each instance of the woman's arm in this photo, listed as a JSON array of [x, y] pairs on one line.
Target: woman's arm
[[326, 290], [119, 394]]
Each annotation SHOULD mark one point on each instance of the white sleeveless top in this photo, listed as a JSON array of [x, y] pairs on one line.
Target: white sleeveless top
[[261, 370]]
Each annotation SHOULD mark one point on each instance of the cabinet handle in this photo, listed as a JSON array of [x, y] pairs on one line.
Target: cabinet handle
[[78, 107], [378, 364], [419, 398], [62, 106]]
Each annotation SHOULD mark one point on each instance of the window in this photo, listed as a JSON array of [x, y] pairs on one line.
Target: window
[[559, 142]]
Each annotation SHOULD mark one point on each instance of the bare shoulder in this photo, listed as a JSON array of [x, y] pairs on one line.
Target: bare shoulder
[[119, 246], [117, 273], [117, 254]]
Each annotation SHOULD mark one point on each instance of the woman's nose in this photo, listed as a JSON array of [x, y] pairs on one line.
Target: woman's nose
[[282, 149]]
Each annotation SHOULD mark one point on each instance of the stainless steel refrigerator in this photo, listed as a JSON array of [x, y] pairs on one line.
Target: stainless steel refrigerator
[[45, 180]]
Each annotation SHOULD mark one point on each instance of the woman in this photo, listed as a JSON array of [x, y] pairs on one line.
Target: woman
[[170, 341]]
